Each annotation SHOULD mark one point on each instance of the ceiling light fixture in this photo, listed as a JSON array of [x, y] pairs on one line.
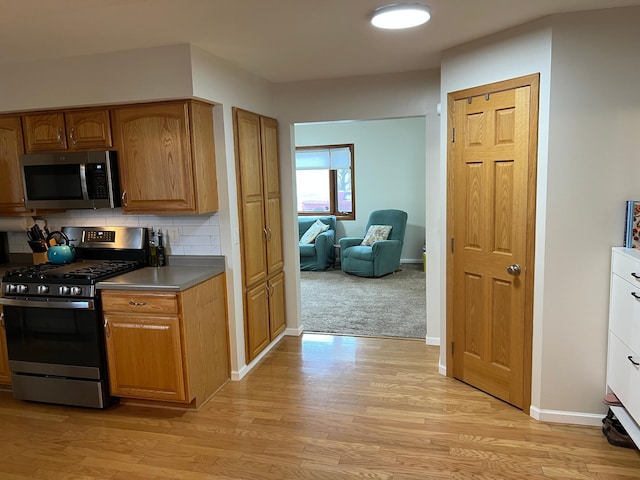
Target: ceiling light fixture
[[400, 15]]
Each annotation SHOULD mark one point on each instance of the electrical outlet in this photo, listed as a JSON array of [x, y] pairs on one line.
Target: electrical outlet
[[174, 235]]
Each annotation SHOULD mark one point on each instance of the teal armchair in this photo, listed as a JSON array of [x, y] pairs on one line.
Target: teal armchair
[[319, 255], [383, 256]]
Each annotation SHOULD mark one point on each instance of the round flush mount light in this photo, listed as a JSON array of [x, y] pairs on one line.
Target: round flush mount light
[[400, 15]]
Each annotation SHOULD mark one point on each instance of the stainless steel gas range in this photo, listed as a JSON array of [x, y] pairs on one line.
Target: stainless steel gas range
[[53, 317]]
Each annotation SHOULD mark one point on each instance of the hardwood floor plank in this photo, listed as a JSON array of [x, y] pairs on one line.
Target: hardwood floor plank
[[316, 408]]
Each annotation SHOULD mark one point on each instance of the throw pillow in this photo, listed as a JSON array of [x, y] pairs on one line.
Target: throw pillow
[[314, 230], [376, 233]]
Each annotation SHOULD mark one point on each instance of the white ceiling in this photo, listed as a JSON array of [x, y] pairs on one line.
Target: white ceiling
[[279, 40]]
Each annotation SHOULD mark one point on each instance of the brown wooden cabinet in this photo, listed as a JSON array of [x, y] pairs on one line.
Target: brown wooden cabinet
[[5, 372], [259, 205], [264, 313], [169, 346], [166, 157], [81, 129], [11, 147]]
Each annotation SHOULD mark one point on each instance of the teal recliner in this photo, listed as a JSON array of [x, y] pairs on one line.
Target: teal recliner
[[383, 256], [319, 255]]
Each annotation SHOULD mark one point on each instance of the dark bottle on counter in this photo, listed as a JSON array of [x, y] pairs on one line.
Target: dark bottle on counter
[[161, 257], [153, 249]]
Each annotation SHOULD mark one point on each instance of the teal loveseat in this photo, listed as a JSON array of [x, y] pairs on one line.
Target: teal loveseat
[[320, 254]]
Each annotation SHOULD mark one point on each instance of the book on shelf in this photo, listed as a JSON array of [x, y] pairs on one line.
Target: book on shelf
[[632, 224]]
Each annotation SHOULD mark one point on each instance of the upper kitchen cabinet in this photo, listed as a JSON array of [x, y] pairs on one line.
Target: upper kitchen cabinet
[[11, 147], [82, 129], [166, 158]]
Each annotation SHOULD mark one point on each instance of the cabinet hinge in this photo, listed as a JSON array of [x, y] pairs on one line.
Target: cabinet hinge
[[452, 244], [453, 135]]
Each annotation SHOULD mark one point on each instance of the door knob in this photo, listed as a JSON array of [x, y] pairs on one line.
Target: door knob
[[513, 269]]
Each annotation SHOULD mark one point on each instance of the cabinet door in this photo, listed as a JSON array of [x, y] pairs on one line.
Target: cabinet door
[[5, 372], [44, 132], [250, 196], [88, 129], [271, 172], [11, 190], [257, 336], [145, 358], [153, 142], [277, 317]]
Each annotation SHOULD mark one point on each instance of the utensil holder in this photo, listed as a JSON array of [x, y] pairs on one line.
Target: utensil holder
[[39, 258]]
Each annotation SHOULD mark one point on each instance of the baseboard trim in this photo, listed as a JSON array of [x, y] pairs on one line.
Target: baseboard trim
[[442, 370], [237, 375], [433, 341], [410, 260], [294, 332], [561, 416]]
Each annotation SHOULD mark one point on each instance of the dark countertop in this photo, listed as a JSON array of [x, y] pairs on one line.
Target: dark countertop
[[160, 278], [180, 274]]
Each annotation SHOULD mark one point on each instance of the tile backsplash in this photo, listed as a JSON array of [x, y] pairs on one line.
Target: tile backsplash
[[183, 234]]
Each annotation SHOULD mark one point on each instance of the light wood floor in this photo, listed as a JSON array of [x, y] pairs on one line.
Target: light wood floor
[[317, 407]]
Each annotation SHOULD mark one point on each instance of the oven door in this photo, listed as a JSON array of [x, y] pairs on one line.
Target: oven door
[[54, 332], [56, 352]]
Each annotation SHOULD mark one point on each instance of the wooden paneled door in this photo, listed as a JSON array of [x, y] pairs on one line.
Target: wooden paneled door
[[492, 166]]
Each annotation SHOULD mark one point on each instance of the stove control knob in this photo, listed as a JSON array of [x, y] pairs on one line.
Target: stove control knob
[[43, 289], [64, 290], [76, 290], [11, 288], [23, 289]]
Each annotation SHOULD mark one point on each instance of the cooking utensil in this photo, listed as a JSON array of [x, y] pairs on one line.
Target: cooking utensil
[[60, 253]]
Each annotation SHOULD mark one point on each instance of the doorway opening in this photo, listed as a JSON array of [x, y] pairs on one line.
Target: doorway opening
[[389, 173]]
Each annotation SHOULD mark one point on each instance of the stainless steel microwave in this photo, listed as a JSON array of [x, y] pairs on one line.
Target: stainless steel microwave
[[71, 180]]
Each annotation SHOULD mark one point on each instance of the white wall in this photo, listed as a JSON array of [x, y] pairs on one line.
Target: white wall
[[592, 170], [357, 98], [587, 168], [389, 166], [520, 51], [119, 77]]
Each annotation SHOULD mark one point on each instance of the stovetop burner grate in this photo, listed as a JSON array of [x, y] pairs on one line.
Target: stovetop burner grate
[[83, 270]]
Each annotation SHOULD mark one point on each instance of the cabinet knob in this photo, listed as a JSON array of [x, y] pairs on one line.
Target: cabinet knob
[[106, 327], [60, 138], [635, 275], [72, 136], [124, 198], [634, 361], [137, 304]]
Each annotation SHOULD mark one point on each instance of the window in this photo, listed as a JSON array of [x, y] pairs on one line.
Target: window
[[325, 179]]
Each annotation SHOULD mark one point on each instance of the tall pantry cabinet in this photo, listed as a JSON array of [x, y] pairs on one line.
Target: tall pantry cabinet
[[259, 205]]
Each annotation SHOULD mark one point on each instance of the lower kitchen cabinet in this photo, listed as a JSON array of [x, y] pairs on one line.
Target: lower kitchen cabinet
[[5, 373], [167, 346], [265, 314]]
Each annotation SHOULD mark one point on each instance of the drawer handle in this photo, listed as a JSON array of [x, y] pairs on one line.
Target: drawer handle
[[630, 357], [635, 275], [635, 295], [137, 304]]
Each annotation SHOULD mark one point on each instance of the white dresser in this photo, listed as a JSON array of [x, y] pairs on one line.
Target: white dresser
[[623, 362]]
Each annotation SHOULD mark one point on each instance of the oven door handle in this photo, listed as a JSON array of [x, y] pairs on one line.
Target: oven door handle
[[77, 305]]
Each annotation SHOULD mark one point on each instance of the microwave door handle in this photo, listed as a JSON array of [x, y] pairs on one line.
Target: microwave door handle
[[83, 181]]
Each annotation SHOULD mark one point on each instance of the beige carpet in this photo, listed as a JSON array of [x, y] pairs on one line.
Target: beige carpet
[[390, 306]]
